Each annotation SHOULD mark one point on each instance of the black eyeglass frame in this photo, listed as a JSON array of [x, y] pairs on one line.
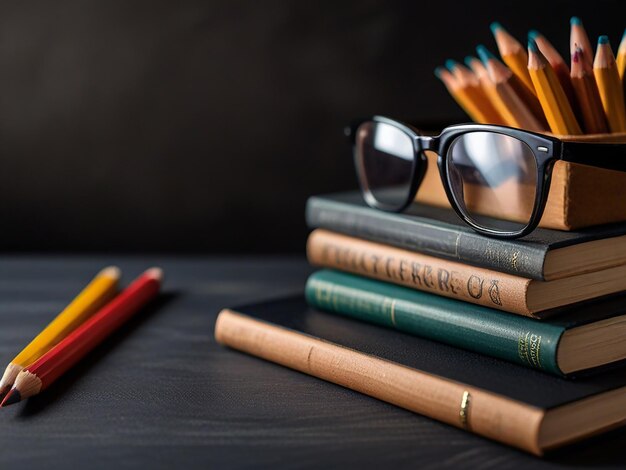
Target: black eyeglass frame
[[546, 150]]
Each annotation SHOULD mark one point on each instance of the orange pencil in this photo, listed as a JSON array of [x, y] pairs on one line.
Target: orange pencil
[[49, 367], [513, 54], [516, 110], [609, 86], [578, 38], [621, 57], [454, 88], [470, 85], [558, 64], [489, 88], [587, 95]]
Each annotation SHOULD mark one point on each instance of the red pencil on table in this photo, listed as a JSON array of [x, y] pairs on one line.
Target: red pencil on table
[[49, 367]]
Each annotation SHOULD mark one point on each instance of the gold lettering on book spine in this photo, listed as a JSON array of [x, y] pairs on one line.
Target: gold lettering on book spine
[[529, 349], [464, 411]]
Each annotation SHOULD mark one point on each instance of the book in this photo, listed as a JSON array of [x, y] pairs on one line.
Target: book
[[581, 338], [517, 406], [542, 255], [473, 284]]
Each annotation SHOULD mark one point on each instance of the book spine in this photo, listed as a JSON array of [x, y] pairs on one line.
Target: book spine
[[513, 257], [460, 405], [516, 339], [439, 276]]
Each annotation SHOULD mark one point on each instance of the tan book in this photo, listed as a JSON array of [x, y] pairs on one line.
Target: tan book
[[516, 406], [459, 281]]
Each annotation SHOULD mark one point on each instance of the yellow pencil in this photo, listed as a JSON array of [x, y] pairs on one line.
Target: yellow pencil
[[99, 291], [513, 54], [587, 95], [609, 86], [621, 57], [558, 64], [578, 39], [550, 93]]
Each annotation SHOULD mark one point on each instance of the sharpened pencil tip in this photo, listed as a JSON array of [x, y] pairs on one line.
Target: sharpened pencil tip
[[495, 26], [14, 396], [155, 273], [469, 60], [451, 64], [484, 54], [603, 40], [532, 45], [439, 72], [575, 21], [533, 34]]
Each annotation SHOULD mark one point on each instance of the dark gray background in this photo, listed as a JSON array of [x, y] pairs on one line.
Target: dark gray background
[[204, 125]]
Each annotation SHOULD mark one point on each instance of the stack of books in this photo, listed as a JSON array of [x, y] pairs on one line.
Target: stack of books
[[522, 341]]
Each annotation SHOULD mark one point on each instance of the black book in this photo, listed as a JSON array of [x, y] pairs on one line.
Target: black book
[[543, 255], [512, 404]]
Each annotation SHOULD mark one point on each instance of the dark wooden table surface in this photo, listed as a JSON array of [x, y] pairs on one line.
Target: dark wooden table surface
[[162, 394]]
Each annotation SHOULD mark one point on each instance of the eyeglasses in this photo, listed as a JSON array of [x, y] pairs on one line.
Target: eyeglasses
[[504, 169]]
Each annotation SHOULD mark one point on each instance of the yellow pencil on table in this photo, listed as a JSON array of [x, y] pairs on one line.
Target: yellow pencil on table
[[513, 54], [469, 84], [489, 89], [609, 86], [587, 95], [98, 292], [578, 39], [555, 105], [515, 110], [621, 57]]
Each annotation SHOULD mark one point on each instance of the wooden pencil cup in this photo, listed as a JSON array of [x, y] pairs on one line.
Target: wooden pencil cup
[[580, 195]]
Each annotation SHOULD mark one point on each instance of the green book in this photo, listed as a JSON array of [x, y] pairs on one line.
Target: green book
[[575, 339]]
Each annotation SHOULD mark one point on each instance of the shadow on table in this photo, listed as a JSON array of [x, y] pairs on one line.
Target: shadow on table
[[38, 403]]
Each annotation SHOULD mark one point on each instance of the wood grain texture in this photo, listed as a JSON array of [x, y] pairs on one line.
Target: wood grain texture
[[203, 405]]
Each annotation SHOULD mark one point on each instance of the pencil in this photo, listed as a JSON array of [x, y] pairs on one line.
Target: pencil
[[99, 291], [609, 86], [469, 85], [513, 54], [454, 88], [621, 57], [560, 67], [578, 38], [515, 110], [551, 95], [49, 367], [587, 95], [489, 89]]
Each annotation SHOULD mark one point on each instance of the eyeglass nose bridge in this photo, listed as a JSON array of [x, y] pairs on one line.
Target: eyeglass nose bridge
[[428, 143]]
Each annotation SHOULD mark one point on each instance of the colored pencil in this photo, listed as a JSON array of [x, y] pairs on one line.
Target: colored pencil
[[555, 105], [49, 367], [587, 95], [560, 67], [516, 110], [469, 85], [513, 54], [621, 57], [609, 86], [99, 291], [454, 88], [578, 38], [489, 89]]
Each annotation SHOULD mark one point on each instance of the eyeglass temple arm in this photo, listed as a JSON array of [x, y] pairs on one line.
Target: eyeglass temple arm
[[609, 156]]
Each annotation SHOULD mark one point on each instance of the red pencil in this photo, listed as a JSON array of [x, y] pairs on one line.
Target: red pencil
[[49, 367]]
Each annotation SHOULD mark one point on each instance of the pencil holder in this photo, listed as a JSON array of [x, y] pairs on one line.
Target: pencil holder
[[580, 195]]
